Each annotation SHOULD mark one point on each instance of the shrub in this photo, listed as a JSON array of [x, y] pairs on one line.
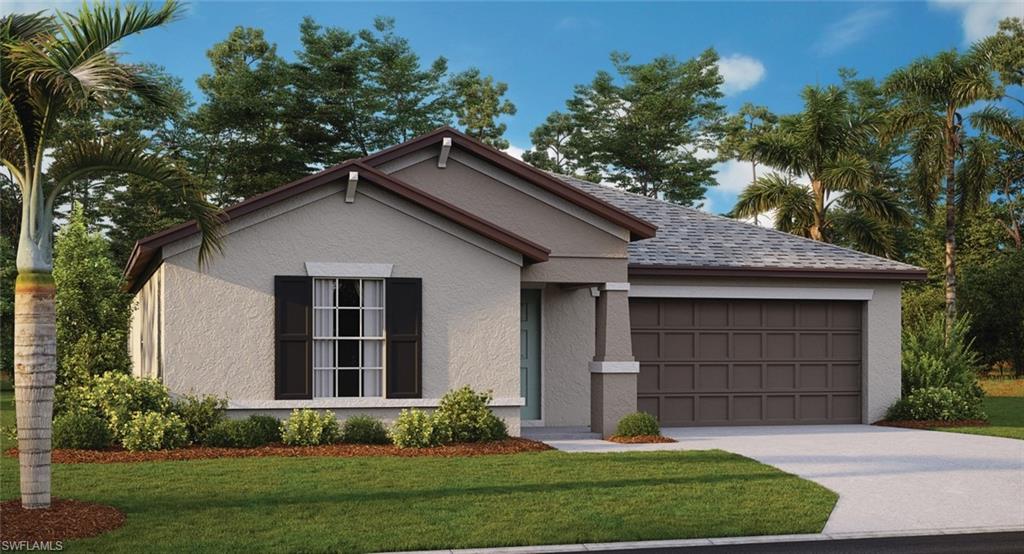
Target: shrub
[[115, 397], [929, 360], [250, 432], [200, 413], [638, 424], [937, 403], [414, 429], [309, 428], [154, 431], [364, 430], [82, 431], [464, 416]]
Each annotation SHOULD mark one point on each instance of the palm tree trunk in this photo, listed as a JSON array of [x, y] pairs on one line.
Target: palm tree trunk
[[950, 235], [35, 372], [819, 210]]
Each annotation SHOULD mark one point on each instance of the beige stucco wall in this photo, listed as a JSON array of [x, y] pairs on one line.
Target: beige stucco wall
[[144, 332], [219, 326], [881, 356]]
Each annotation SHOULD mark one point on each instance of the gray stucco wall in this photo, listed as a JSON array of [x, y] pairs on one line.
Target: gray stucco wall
[[568, 320], [219, 325], [881, 356]]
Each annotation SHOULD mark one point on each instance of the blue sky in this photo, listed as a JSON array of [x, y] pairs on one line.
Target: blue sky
[[769, 50]]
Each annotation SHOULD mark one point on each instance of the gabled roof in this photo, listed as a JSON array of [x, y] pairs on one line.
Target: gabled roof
[[638, 228], [148, 248], [694, 243]]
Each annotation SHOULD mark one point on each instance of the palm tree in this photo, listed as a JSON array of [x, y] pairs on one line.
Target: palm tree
[[54, 67], [931, 94], [844, 200]]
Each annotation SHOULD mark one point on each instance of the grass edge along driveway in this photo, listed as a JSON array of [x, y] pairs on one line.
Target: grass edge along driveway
[[381, 504]]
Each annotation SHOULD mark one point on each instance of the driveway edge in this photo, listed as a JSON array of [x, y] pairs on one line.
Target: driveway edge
[[684, 543]]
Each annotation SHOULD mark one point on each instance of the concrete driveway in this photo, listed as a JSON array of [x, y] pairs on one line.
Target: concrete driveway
[[887, 479]]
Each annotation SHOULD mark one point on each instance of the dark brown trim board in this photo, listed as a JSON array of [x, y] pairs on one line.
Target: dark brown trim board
[[147, 249], [636, 270], [638, 228]]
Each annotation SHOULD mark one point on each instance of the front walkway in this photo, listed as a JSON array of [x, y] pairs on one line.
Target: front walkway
[[887, 479]]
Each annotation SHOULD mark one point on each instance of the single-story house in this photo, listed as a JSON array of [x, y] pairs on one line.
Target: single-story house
[[381, 283]]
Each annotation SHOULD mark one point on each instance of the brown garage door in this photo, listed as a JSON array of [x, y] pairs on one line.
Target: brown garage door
[[748, 362]]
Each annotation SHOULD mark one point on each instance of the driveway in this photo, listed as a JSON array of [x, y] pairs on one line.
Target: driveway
[[887, 479]]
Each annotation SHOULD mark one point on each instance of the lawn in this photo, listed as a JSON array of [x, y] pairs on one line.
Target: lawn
[[1005, 408], [371, 504]]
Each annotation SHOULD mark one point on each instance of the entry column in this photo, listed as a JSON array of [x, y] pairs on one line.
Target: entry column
[[613, 372]]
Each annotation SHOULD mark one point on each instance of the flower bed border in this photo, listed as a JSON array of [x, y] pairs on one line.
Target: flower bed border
[[506, 446], [640, 439], [64, 519], [932, 423]]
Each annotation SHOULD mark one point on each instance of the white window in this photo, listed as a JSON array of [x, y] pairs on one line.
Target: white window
[[348, 337]]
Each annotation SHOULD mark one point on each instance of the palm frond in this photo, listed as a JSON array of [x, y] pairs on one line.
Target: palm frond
[[847, 173], [109, 156], [26, 26], [876, 203], [976, 177], [792, 203], [999, 122], [780, 149], [863, 232]]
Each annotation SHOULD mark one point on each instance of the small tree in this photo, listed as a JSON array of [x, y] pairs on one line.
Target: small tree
[[92, 311]]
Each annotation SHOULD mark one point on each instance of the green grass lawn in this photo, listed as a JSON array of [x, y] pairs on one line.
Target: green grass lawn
[[1006, 415], [370, 504]]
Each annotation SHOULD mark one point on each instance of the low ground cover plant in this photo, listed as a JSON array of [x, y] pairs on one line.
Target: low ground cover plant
[[251, 432], [937, 404], [200, 414], [81, 430], [154, 431]]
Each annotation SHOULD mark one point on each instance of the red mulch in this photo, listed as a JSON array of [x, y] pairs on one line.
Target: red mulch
[[640, 439], [64, 519], [931, 424], [507, 446]]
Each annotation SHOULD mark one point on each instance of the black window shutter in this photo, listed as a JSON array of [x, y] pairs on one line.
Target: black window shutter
[[404, 322], [293, 337]]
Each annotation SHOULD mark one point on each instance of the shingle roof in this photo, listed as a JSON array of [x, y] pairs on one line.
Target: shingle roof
[[690, 238]]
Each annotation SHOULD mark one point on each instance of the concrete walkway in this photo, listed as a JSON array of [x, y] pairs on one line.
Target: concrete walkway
[[888, 480]]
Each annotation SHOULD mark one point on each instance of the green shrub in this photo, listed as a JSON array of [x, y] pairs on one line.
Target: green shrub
[[464, 416], [250, 432], [638, 424], [364, 430], [413, 429], [309, 428], [265, 429], [154, 431], [81, 430], [116, 397], [200, 413], [929, 360], [937, 403]]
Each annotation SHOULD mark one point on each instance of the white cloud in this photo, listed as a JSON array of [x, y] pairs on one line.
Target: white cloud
[[733, 176], [740, 73], [515, 151], [849, 30], [981, 18]]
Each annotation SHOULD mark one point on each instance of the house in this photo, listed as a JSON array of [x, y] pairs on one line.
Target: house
[[381, 283]]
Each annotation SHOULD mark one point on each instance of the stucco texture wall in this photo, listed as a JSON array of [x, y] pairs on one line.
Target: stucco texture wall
[[568, 330], [881, 332], [219, 322]]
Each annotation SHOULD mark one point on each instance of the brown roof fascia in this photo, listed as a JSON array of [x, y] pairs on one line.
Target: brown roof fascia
[[638, 228], [146, 248], [637, 270]]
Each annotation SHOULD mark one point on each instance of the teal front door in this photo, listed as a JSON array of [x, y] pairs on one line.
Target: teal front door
[[529, 353]]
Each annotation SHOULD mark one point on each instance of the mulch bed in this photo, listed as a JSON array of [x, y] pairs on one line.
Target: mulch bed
[[932, 424], [507, 446], [640, 439], [64, 519]]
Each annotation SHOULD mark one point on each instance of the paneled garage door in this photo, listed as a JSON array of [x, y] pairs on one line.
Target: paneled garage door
[[748, 362]]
